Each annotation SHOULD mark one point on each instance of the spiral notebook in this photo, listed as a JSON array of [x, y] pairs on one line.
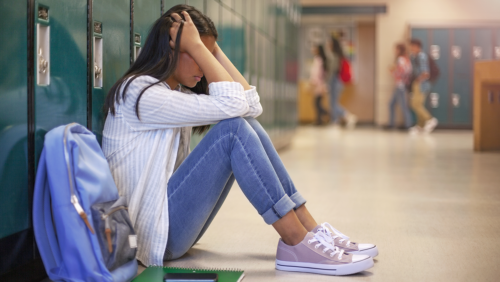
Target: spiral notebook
[[156, 273]]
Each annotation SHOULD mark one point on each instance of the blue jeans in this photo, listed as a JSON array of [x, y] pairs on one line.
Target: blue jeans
[[237, 148], [400, 94], [336, 110]]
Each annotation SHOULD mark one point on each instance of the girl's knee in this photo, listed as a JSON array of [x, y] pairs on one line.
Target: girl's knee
[[235, 125]]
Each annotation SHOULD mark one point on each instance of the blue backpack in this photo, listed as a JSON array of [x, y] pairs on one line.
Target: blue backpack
[[82, 227]]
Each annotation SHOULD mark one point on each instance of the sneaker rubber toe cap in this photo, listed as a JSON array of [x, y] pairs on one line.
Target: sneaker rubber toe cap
[[356, 258]]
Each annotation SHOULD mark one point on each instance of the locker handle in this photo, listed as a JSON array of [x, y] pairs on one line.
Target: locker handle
[[44, 64], [97, 70], [491, 98], [43, 54]]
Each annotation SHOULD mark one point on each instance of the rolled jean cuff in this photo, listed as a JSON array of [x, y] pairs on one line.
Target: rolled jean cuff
[[298, 200], [282, 207]]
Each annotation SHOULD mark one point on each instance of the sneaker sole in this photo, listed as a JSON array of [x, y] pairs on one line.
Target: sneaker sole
[[373, 252], [338, 269]]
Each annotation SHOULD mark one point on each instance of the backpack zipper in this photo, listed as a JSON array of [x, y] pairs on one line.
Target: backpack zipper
[[74, 199], [107, 227]]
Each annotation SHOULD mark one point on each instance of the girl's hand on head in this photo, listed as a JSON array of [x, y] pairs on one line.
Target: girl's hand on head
[[190, 37]]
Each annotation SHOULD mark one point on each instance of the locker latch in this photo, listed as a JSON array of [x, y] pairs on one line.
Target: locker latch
[[98, 27], [43, 13], [434, 100], [455, 100]]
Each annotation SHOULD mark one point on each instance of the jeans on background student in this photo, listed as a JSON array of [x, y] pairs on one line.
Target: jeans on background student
[[399, 95], [337, 112], [237, 148]]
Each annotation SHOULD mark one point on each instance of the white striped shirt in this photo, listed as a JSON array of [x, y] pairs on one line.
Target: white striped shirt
[[142, 153]]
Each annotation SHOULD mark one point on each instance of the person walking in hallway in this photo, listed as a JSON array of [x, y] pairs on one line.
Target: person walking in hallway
[[401, 72], [420, 88], [337, 112], [317, 79]]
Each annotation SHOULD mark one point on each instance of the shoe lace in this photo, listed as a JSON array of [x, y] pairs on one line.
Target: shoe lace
[[322, 240], [333, 234]]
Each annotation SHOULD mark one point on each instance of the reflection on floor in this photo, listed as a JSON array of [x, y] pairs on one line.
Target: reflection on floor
[[430, 204]]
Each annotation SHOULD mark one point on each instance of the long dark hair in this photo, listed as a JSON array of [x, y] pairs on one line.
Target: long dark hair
[[322, 55], [337, 48], [401, 50], [157, 59]]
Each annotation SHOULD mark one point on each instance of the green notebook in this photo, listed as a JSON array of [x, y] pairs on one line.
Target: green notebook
[[156, 273]]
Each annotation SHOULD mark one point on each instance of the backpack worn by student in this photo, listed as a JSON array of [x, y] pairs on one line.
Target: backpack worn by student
[[433, 72], [345, 71], [82, 227]]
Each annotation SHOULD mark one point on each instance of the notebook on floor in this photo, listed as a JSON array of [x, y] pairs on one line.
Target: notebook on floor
[[156, 273]]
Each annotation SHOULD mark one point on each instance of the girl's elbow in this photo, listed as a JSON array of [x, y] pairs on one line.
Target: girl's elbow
[[258, 111], [241, 109]]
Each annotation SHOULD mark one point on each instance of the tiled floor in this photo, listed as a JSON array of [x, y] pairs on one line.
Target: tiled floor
[[430, 203]]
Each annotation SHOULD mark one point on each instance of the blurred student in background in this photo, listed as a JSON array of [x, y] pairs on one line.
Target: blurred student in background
[[318, 74], [337, 112], [401, 71], [420, 88]]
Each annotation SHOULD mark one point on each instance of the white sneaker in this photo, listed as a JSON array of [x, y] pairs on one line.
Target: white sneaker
[[340, 240], [430, 125], [315, 255], [351, 120], [415, 130]]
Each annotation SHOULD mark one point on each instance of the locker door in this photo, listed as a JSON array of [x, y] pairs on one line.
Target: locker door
[[482, 48], [198, 4], [167, 4], [15, 246], [438, 49], [225, 30], [213, 12], [238, 44], [461, 78], [60, 65], [110, 53], [146, 12]]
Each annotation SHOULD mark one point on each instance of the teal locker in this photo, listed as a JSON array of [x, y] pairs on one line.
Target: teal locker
[[110, 53], [482, 46], [14, 195], [438, 50], [146, 12], [422, 35], [461, 77], [198, 4], [213, 12], [14, 209], [167, 4], [60, 80], [239, 48], [225, 30]]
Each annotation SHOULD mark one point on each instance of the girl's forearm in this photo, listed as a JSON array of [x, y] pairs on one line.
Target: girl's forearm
[[212, 69], [230, 68]]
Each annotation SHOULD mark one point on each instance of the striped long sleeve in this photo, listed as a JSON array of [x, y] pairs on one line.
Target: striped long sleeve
[[142, 152]]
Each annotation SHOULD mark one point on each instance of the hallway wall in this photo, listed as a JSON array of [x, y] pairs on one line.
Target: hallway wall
[[392, 27]]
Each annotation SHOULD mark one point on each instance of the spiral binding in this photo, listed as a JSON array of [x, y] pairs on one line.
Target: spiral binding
[[200, 269]]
